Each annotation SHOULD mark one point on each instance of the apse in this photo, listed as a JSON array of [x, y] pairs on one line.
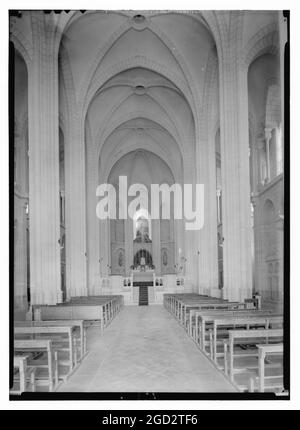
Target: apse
[[132, 238]]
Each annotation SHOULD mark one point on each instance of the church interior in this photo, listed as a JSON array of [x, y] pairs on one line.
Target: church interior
[[140, 304]]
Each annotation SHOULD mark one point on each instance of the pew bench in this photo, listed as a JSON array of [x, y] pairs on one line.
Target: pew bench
[[94, 310], [182, 305], [222, 326], [105, 304], [46, 371], [63, 342], [221, 307], [172, 301], [79, 332], [89, 313], [269, 378], [239, 361], [204, 322], [24, 375], [185, 305]]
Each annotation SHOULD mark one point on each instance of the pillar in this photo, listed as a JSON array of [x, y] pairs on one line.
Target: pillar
[[234, 133], [20, 253], [92, 258], [20, 220], [128, 225], [268, 136], [43, 117], [207, 251], [156, 245], [76, 201]]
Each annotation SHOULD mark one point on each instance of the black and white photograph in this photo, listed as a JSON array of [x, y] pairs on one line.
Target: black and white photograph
[[149, 204]]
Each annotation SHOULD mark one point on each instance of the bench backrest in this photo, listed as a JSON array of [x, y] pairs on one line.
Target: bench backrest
[[210, 315], [245, 334], [32, 344], [42, 330], [278, 348], [240, 319], [186, 302], [48, 323], [216, 306]]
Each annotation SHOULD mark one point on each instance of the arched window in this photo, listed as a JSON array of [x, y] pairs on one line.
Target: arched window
[[142, 230], [142, 227], [273, 133]]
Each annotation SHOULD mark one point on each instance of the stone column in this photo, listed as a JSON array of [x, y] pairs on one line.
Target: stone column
[[234, 130], [156, 245], [279, 151], [20, 221], [104, 246], [93, 264], [258, 175], [282, 40], [207, 252], [128, 224], [179, 251], [43, 118], [20, 254], [76, 215], [191, 237], [268, 136]]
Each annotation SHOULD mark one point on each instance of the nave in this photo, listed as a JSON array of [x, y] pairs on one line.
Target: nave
[[195, 343], [144, 350], [137, 101]]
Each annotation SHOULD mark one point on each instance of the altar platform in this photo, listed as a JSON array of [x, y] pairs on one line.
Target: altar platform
[[142, 276]]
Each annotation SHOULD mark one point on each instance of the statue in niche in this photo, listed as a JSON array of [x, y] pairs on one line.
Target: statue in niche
[[120, 259], [165, 258], [142, 259], [142, 231]]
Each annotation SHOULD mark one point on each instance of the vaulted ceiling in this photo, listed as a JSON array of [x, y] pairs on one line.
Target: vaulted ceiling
[[139, 78]]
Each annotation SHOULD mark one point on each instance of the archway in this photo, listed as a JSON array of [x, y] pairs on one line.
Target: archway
[[143, 258], [140, 232]]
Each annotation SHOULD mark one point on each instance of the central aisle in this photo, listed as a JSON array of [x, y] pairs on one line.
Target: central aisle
[[144, 350]]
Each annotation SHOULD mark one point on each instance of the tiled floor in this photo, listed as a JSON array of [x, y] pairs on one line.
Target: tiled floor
[[144, 350]]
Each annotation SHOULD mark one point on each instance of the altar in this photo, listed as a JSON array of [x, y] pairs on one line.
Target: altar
[[142, 276]]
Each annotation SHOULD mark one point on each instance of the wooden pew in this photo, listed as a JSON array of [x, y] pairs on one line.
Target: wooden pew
[[204, 319], [227, 306], [246, 337], [43, 346], [183, 304], [115, 302], [24, 375], [88, 313], [92, 309], [222, 326], [79, 332], [264, 382], [172, 301], [186, 306], [63, 340], [111, 304]]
